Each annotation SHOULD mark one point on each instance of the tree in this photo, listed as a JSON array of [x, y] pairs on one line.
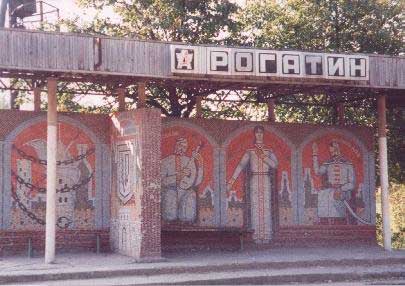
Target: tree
[[186, 21], [373, 26]]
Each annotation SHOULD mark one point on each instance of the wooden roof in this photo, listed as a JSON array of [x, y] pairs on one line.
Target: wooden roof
[[80, 57]]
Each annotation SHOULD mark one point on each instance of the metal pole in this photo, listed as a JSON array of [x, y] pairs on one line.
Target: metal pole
[[382, 148], [50, 228], [3, 10]]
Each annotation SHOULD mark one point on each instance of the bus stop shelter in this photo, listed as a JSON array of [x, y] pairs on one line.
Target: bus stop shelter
[[52, 62]]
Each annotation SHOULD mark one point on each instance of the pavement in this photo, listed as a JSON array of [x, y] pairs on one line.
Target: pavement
[[276, 266]]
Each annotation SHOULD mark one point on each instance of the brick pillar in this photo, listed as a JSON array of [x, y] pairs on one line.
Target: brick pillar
[[149, 121], [136, 217]]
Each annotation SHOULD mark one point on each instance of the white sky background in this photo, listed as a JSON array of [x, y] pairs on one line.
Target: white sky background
[[69, 9]]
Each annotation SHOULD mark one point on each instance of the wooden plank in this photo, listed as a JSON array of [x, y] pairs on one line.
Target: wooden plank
[[43, 51], [137, 63]]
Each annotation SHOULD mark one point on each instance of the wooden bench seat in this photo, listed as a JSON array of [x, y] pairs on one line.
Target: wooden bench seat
[[177, 237]]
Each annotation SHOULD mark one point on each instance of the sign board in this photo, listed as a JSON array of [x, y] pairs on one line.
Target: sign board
[[225, 61]]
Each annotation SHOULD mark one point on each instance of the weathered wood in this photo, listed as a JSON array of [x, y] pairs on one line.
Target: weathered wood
[[340, 110], [37, 99], [198, 107], [38, 52], [270, 110], [141, 95], [121, 99]]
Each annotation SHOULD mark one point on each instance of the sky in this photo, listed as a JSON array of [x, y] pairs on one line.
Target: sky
[[68, 8]]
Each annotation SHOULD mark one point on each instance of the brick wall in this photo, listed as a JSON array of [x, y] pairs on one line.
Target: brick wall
[[17, 242]]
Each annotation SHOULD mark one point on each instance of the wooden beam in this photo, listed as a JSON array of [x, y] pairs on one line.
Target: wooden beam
[[270, 110], [340, 110], [121, 98], [37, 99], [198, 107], [141, 95]]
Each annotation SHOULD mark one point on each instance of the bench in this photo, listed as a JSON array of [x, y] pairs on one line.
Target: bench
[[191, 237]]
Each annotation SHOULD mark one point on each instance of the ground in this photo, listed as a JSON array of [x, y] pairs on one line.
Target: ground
[[277, 266]]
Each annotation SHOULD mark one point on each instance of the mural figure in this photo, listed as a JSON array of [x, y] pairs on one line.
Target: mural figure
[[339, 183], [259, 162], [181, 176]]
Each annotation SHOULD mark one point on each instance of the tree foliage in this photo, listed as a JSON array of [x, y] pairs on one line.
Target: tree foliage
[[374, 26], [187, 21]]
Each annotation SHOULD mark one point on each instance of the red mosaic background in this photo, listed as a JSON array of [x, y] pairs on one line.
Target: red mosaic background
[[244, 141], [348, 149], [194, 138]]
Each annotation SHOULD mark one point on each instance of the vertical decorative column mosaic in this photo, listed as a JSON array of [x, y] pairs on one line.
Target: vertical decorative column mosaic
[[135, 201]]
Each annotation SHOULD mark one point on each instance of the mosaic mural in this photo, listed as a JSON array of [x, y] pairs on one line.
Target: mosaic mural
[[187, 177], [125, 172], [258, 172], [264, 180], [333, 181], [252, 175], [75, 200]]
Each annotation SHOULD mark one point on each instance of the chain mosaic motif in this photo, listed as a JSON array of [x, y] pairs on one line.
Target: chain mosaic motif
[[75, 178]]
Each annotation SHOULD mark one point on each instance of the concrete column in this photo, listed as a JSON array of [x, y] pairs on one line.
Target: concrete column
[[340, 110], [382, 150], [141, 95], [270, 109], [198, 107], [121, 98], [50, 228], [37, 99]]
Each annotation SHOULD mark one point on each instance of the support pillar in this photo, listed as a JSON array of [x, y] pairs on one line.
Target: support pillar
[[37, 99], [270, 109], [340, 110], [141, 95], [198, 107], [136, 219], [382, 150], [13, 98], [121, 98], [50, 228]]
